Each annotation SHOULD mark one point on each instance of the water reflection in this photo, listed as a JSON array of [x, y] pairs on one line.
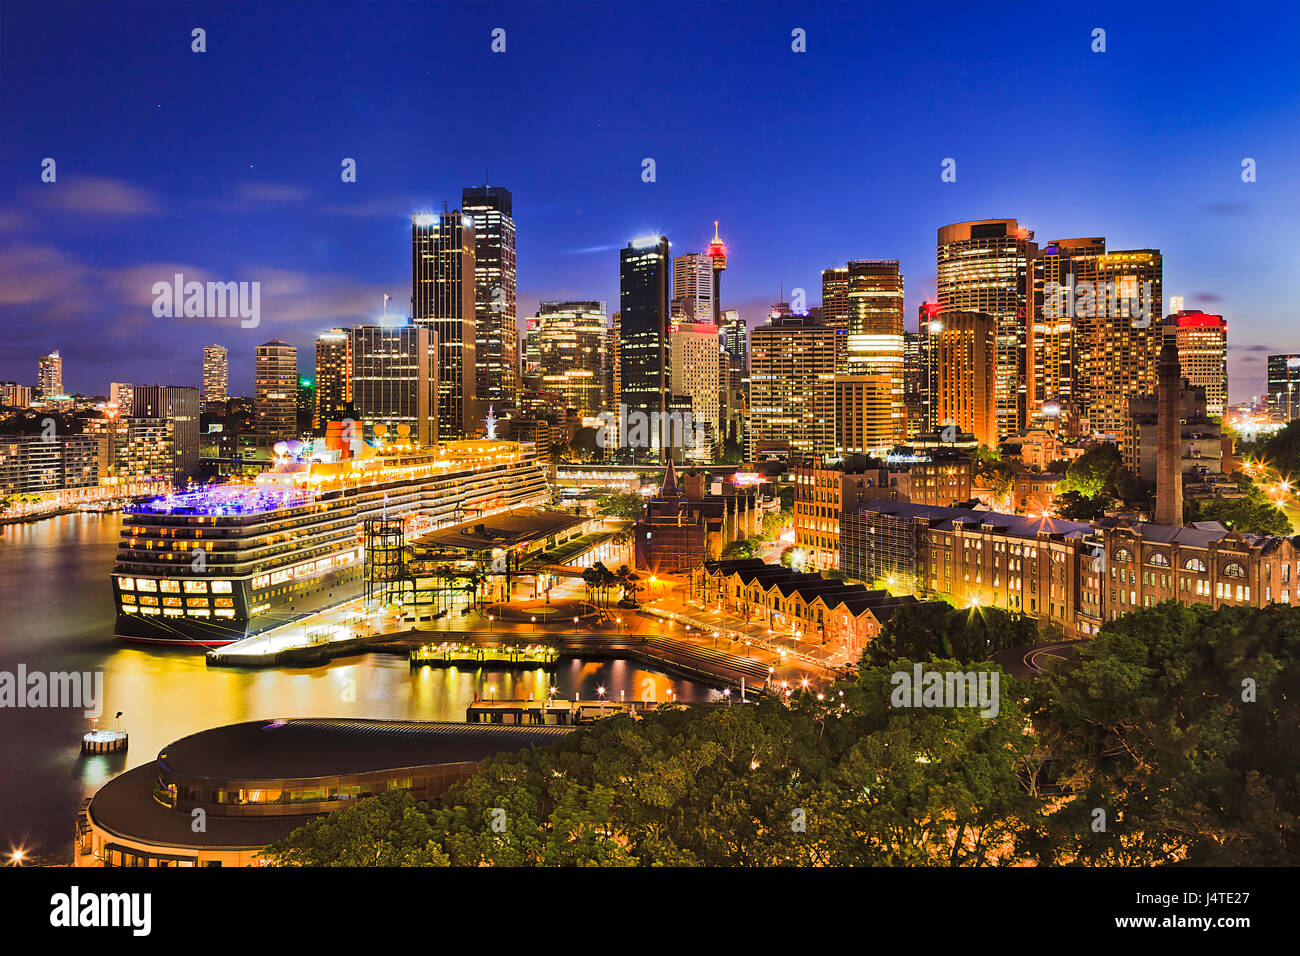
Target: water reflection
[[57, 612]]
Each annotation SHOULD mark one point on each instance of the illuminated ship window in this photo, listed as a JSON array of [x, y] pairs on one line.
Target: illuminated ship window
[[195, 602], [151, 601], [220, 587], [225, 613], [170, 587], [171, 602], [126, 584], [128, 598], [146, 584], [196, 587], [224, 602], [151, 610], [172, 613], [199, 613]]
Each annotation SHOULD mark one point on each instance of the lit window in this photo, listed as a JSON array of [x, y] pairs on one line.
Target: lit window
[[126, 584]]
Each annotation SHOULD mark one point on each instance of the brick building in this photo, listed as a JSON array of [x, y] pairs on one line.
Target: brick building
[[1067, 575]]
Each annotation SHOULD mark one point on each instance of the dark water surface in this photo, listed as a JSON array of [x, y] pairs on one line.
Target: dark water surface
[[56, 614]]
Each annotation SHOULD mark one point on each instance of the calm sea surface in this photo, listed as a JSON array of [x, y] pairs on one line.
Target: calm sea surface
[[56, 614]]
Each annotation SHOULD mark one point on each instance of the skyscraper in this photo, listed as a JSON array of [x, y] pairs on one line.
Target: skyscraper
[[1053, 396], [572, 353], [121, 395], [864, 414], [792, 387], [333, 377], [733, 338], [692, 288], [643, 308], [443, 298], [835, 297], [275, 402], [1284, 387], [968, 374], [1117, 333], [874, 346], [693, 363], [395, 378], [1203, 356], [179, 406], [921, 370], [216, 373], [49, 374], [496, 333], [984, 266]]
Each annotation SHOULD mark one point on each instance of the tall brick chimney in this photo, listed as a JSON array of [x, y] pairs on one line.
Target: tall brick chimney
[[1169, 453]]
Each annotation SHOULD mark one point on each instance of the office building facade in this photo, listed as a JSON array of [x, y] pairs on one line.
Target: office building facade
[[216, 373], [985, 266], [275, 399], [333, 398], [443, 299], [395, 379], [496, 335], [644, 284], [572, 353]]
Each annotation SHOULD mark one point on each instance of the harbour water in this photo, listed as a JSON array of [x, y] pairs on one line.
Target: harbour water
[[56, 615]]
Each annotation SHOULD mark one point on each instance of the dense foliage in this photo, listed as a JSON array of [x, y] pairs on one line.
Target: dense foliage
[[1179, 724]]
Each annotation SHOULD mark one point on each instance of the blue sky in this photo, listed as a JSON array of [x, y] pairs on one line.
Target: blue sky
[[225, 165]]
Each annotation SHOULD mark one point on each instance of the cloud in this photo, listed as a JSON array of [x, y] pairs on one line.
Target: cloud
[[1208, 297], [95, 195], [256, 196], [1226, 209]]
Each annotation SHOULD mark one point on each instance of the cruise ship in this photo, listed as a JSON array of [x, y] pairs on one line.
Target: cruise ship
[[213, 566]]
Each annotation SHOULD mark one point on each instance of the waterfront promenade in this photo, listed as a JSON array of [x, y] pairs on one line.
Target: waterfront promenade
[[652, 636]]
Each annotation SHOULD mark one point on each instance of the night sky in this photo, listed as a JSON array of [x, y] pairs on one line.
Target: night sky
[[225, 165]]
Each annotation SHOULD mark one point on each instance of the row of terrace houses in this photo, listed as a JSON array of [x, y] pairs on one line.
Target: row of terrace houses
[[816, 609]]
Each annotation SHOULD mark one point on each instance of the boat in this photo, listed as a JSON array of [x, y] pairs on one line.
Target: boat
[[214, 565]]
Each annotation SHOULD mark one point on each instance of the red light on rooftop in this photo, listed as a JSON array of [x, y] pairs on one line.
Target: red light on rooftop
[[932, 308]]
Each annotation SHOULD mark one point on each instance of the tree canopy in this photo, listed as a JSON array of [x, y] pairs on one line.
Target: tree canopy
[[1170, 738]]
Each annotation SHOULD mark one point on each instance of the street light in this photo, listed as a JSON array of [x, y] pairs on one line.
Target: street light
[[490, 620]]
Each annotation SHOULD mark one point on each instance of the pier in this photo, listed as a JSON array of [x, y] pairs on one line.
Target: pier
[[501, 655], [560, 713]]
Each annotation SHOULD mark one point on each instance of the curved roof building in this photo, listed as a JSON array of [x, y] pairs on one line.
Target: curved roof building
[[218, 797]]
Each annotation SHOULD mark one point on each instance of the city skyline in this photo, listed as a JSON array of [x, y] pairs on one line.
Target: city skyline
[[327, 251]]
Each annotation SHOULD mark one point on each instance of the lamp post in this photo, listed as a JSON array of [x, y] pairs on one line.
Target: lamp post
[[490, 620]]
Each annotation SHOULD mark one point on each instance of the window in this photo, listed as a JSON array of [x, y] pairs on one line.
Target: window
[[1234, 571], [1123, 555], [1159, 559], [1194, 564]]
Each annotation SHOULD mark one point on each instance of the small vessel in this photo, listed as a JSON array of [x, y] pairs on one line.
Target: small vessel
[[103, 741]]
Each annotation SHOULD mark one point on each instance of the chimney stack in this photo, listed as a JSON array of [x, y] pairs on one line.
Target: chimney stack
[[1169, 457]]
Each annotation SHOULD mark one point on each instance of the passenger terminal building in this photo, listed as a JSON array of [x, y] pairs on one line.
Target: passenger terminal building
[[258, 781]]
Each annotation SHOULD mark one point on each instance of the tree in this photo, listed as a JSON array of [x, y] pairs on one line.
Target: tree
[[391, 829], [742, 548], [1073, 506], [773, 522], [627, 504], [1253, 514], [1093, 473], [1179, 723], [732, 453], [583, 446], [936, 629]]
